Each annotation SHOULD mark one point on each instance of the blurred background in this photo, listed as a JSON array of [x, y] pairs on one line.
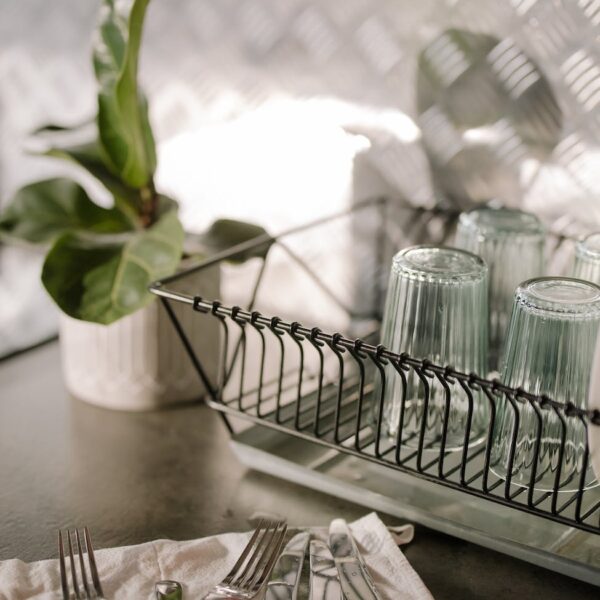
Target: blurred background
[[278, 112]]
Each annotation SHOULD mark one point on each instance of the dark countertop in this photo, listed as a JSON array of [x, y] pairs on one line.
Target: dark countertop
[[171, 474]]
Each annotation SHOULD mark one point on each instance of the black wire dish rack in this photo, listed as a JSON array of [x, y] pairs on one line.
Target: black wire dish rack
[[317, 385]]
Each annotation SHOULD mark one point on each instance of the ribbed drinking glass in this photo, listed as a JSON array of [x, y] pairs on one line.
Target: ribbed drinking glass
[[436, 309], [587, 259], [511, 242], [549, 351]]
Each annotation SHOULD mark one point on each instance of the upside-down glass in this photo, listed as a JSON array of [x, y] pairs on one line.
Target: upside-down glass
[[436, 308], [587, 259], [549, 351], [511, 242]]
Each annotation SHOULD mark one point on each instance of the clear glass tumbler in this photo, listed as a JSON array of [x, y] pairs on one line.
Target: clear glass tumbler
[[436, 308], [587, 259], [511, 242], [549, 350]]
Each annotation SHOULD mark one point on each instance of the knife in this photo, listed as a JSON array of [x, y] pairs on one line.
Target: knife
[[354, 577], [324, 580], [285, 577], [168, 590]]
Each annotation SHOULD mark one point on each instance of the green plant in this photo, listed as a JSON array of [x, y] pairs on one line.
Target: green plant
[[100, 261]]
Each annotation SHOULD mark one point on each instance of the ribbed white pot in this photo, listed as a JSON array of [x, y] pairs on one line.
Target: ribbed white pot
[[139, 363]]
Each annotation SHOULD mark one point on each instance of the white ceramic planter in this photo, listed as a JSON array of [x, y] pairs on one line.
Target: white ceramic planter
[[139, 363]]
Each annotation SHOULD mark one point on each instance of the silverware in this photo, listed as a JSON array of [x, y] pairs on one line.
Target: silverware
[[284, 580], [354, 577], [324, 579], [84, 588], [254, 565], [168, 590]]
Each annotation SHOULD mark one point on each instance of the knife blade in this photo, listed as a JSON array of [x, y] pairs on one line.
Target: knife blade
[[285, 577], [324, 579], [355, 579]]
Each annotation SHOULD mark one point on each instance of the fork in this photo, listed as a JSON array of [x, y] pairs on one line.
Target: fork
[[86, 590], [254, 565]]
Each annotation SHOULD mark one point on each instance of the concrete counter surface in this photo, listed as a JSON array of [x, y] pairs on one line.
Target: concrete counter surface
[[135, 477]]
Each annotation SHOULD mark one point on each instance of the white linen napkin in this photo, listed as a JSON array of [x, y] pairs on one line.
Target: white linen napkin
[[130, 572]]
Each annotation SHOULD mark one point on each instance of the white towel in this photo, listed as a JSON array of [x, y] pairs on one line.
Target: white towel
[[130, 572]]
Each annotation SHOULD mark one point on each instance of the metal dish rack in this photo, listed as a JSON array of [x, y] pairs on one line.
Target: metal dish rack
[[317, 385]]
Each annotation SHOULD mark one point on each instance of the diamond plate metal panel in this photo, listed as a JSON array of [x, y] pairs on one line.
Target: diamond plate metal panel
[[504, 97]]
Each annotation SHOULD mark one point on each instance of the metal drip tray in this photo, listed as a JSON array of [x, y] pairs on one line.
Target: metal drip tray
[[528, 537]]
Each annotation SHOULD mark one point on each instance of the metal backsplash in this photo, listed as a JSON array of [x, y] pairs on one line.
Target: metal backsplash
[[457, 101]]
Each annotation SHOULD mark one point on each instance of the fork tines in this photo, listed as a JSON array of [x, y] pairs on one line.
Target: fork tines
[[88, 587], [258, 557]]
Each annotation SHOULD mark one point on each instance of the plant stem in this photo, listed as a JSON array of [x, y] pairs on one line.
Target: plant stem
[[149, 207]]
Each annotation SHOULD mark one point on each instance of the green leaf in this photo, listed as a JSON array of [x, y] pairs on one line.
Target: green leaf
[[166, 204], [223, 234], [123, 124], [41, 211], [52, 128], [104, 278], [90, 157]]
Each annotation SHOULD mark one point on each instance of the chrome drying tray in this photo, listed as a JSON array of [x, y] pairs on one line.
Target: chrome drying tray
[[298, 399]]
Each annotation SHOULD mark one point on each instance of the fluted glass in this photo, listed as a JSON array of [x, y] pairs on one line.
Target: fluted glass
[[549, 351], [511, 242], [436, 308], [587, 259]]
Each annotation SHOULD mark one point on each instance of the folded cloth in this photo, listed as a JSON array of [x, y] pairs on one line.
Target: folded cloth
[[130, 572]]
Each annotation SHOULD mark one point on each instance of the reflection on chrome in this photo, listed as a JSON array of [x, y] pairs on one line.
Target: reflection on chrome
[[324, 582]]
